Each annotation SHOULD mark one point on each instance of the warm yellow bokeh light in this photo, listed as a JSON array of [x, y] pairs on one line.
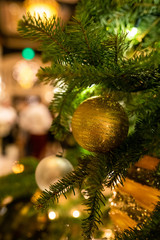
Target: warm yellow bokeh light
[[51, 215], [76, 214], [132, 33], [35, 196], [18, 168], [25, 73], [108, 233], [7, 200], [42, 8]]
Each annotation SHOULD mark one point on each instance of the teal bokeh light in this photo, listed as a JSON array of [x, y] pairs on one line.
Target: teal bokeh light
[[28, 53]]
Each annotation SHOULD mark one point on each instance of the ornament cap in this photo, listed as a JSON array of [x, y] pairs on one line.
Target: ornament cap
[[59, 154]]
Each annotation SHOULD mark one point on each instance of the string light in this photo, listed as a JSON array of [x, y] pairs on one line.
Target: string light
[[42, 8], [18, 168], [76, 214], [131, 33], [114, 193], [51, 215], [110, 199], [108, 233]]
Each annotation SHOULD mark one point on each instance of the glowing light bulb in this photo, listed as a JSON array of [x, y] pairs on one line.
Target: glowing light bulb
[[132, 32], [18, 168], [52, 215], [47, 8], [108, 233], [114, 193], [76, 214]]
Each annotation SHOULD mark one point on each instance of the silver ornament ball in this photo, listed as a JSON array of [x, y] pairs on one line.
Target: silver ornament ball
[[50, 170]]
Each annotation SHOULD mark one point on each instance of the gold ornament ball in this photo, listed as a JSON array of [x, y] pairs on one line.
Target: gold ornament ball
[[99, 124], [50, 170]]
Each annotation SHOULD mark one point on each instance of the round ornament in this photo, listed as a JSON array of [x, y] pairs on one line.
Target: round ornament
[[51, 169], [99, 124]]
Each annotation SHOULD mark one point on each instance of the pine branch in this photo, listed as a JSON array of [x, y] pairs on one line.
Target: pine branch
[[140, 73], [144, 140], [84, 33], [116, 45], [87, 40], [146, 102], [96, 174], [91, 223], [82, 75], [122, 158], [61, 104], [55, 74], [48, 32], [89, 50], [131, 75]]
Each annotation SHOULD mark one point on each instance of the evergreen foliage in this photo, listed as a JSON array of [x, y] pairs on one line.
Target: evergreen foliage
[[93, 49]]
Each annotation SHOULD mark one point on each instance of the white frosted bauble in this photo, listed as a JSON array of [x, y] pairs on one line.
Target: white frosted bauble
[[51, 169]]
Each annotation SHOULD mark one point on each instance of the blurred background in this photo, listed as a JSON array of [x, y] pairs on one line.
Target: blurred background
[[19, 89]]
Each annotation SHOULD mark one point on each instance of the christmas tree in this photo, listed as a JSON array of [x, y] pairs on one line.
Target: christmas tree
[[105, 64]]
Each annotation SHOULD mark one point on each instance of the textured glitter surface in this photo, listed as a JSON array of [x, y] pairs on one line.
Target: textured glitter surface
[[99, 124]]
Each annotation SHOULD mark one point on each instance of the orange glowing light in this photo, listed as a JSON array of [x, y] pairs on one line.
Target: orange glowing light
[[18, 168], [42, 8]]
